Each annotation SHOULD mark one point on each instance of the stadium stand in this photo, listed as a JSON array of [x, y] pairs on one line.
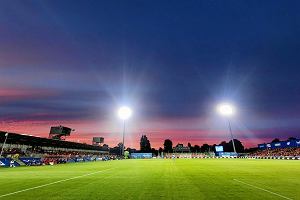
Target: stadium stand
[[30, 150], [282, 153], [289, 149]]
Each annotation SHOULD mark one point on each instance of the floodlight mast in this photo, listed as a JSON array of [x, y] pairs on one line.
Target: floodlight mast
[[123, 146], [6, 136], [230, 130], [228, 110], [124, 114]]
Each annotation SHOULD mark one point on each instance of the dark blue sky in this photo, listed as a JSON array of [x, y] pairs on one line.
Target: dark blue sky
[[75, 62]]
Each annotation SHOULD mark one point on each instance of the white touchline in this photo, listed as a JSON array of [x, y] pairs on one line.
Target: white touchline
[[44, 185], [262, 189]]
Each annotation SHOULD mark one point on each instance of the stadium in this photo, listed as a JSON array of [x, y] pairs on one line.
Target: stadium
[[149, 99], [41, 168]]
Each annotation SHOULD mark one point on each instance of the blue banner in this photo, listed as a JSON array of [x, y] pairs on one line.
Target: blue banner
[[141, 155], [4, 162], [283, 144], [7, 162], [31, 161], [226, 154]]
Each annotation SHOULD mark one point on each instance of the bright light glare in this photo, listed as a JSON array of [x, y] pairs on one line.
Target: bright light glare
[[226, 109], [124, 112]]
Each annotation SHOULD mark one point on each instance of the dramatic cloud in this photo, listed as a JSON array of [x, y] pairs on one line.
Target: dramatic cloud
[[74, 63]]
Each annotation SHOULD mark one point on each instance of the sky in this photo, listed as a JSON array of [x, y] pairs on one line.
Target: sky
[[74, 62]]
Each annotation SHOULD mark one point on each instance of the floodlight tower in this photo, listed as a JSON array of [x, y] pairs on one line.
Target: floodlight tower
[[227, 110], [6, 136], [124, 113]]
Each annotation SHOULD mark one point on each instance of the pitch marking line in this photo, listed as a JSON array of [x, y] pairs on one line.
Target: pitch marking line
[[47, 184], [262, 189]]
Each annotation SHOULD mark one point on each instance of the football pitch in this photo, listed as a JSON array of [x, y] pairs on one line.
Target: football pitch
[[155, 179]]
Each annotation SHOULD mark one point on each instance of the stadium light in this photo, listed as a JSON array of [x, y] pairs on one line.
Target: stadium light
[[227, 110], [124, 113]]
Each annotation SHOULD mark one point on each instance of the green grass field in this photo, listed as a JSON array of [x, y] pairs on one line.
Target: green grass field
[[155, 179]]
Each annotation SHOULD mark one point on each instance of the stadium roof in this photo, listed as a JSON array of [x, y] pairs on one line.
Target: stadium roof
[[23, 139]]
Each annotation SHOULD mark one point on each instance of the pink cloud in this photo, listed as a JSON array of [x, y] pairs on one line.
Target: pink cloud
[[23, 93]]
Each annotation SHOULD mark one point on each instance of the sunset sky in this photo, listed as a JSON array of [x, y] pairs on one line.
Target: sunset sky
[[74, 62]]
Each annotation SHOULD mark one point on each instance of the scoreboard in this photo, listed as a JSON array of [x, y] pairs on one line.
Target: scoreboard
[[219, 149]]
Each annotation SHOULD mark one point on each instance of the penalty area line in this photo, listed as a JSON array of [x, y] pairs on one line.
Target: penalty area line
[[52, 183], [274, 193]]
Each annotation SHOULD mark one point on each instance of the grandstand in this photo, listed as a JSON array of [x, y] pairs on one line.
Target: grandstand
[[289, 149], [25, 149], [32, 150]]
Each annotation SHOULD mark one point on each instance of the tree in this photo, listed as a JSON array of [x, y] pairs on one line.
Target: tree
[[197, 149], [250, 150], [213, 147], [168, 146], [154, 152], [276, 140], [226, 146], [117, 150], [205, 148], [191, 147], [292, 138], [160, 150], [121, 147], [239, 147], [145, 144]]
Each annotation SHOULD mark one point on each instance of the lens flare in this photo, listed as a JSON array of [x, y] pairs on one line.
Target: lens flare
[[124, 112]]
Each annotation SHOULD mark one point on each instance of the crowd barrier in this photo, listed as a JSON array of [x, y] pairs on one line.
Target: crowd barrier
[[6, 162], [30, 161], [240, 157], [141, 155], [274, 157]]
